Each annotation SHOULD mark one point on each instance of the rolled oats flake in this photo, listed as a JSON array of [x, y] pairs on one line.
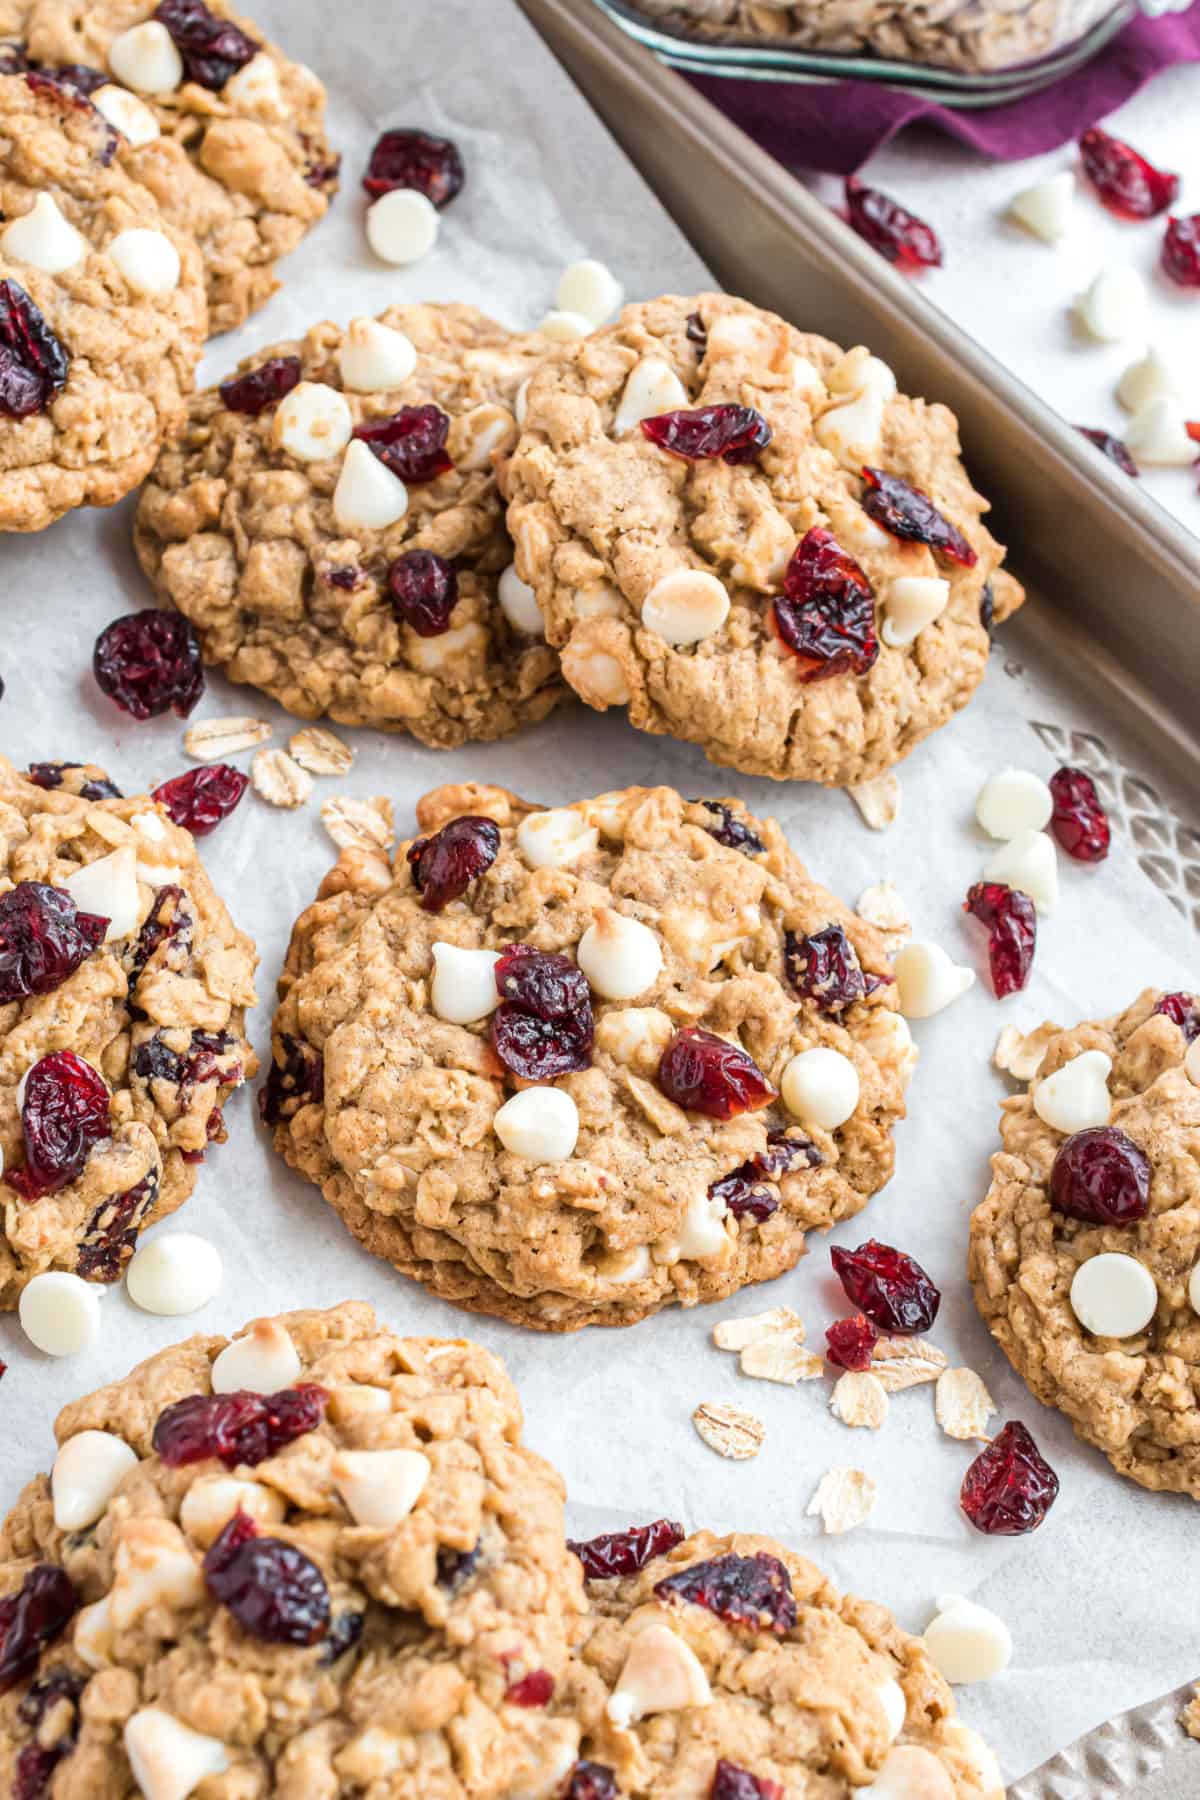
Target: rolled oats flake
[[730, 1431]]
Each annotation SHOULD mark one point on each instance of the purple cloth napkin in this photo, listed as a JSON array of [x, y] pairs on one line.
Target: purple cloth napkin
[[838, 127]]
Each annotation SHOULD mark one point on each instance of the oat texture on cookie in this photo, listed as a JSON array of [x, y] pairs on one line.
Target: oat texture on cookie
[[1085, 1254], [330, 523], [124, 986], [537, 1060], [316, 1560], [748, 538], [731, 1667], [102, 313], [224, 129]]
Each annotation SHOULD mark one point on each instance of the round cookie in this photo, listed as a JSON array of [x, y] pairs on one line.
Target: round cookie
[[775, 1684], [155, 1013], [233, 148], [1136, 1397], [604, 1199], [388, 1612], [94, 368], [658, 577], [263, 550]]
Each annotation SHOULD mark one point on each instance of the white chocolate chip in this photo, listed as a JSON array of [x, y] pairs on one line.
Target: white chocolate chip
[[1157, 436], [314, 421], [909, 1774], [541, 1123], [651, 388], [804, 376], [1194, 1281], [263, 1361], [685, 606], [895, 1707], [1028, 862], [563, 327], [433, 653], [88, 1470], [368, 496], [966, 1642], [145, 59], [127, 114], [59, 1313], [463, 988], [1114, 306], [370, 1757], [635, 1036], [852, 432], [596, 677], [108, 887], [555, 838], [374, 357], [43, 238], [624, 1266], [701, 1233], [255, 88], [212, 1500], [91, 1637], [928, 980], [843, 1499], [589, 288], [1013, 801], [661, 1674], [1113, 1295], [519, 604], [820, 1087], [1076, 1097], [360, 1398], [1152, 377], [620, 956], [154, 1566], [739, 334], [599, 600], [380, 1487], [1046, 208], [402, 226], [175, 1274], [168, 1759], [147, 259], [913, 602]]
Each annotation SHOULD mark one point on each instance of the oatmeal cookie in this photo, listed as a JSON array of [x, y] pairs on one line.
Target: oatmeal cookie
[[94, 367], [687, 1056], [737, 591], [253, 526], [349, 1576], [123, 992], [1131, 1182], [732, 1667], [219, 124]]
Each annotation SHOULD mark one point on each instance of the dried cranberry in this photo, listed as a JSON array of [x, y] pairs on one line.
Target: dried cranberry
[[734, 433], [272, 1589], [743, 1590], [911, 515], [83, 779], [154, 1060], [41, 1608], [590, 1781], [347, 579], [261, 387], [112, 1231], [1009, 1488], [344, 1634], [424, 589], [894, 1291], [1181, 251], [731, 831], [1078, 821], [744, 1190], [987, 608], [625, 1552], [37, 1761], [168, 922], [212, 48], [411, 443], [1112, 447], [826, 613], [85, 81], [200, 798], [43, 939], [696, 331], [543, 1027], [64, 1114], [33, 364], [705, 1073], [236, 1428], [1011, 920], [149, 663], [445, 865], [1128, 184], [1185, 1011], [13, 60], [898, 235], [1101, 1177], [732, 1783], [824, 968], [534, 1689], [456, 1566], [415, 159], [299, 1080], [851, 1342]]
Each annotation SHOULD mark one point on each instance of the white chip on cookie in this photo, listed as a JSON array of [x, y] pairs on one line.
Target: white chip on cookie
[[967, 1642], [368, 496], [909, 1773], [256, 88], [1113, 1295], [167, 1758], [380, 1487], [463, 988], [661, 1674], [263, 1361], [556, 838], [212, 1500], [620, 956], [686, 606], [912, 602], [563, 327], [313, 422], [652, 387], [1013, 801], [402, 226], [518, 602], [109, 887], [374, 357], [43, 238], [147, 259], [928, 980], [589, 288], [1076, 1096], [541, 1123], [127, 114], [820, 1087], [88, 1470], [596, 676], [145, 59]]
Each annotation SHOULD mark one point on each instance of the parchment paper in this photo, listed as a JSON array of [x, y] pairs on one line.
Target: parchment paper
[[1101, 1602]]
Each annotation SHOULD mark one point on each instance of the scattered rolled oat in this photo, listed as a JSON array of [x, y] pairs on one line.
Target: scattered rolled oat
[[365, 823], [859, 1399], [962, 1404], [880, 905], [735, 1334], [729, 1431], [844, 1498], [904, 1362], [1021, 1053], [878, 801], [211, 740], [781, 1359], [321, 752], [278, 780], [1189, 1718]]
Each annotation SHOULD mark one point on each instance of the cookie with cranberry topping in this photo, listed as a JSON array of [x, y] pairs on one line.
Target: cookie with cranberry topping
[[124, 986], [330, 523], [1085, 1255], [569, 1066], [224, 129], [102, 313], [315, 1559], [749, 539], [774, 1684]]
